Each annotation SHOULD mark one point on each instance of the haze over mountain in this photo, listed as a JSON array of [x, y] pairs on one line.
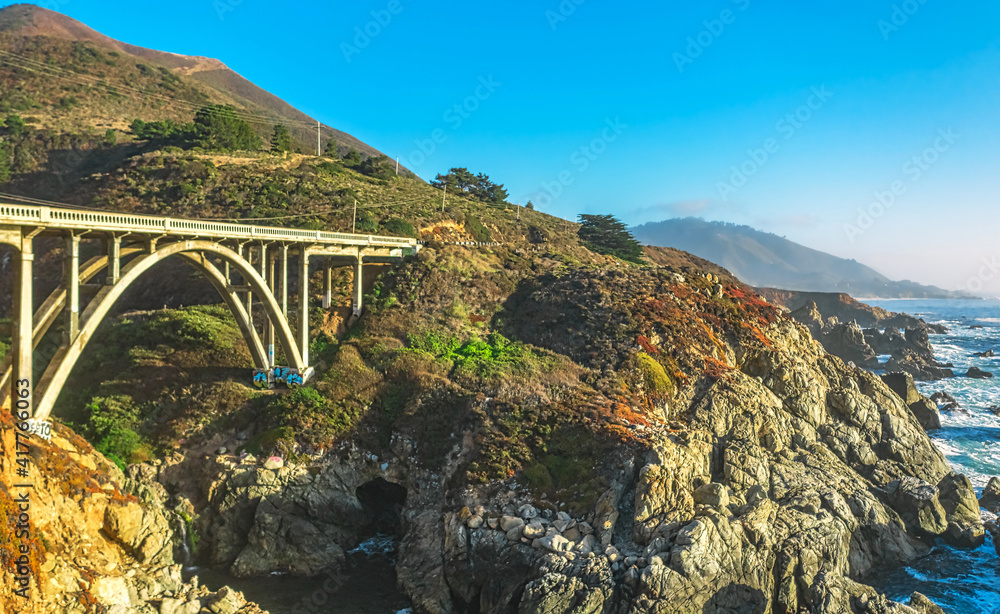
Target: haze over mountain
[[766, 260]]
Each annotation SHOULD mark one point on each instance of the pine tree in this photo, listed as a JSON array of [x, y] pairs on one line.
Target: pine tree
[[218, 127], [281, 140], [605, 234], [352, 159]]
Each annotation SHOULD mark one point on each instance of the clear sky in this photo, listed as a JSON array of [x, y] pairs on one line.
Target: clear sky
[[793, 117]]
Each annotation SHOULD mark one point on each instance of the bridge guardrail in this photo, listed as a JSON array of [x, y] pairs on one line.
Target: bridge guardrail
[[147, 224]]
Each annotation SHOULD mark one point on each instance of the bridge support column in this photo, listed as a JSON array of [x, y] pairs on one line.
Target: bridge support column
[[269, 331], [358, 284], [284, 280], [304, 304], [71, 279], [327, 284], [114, 250], [24, 325]]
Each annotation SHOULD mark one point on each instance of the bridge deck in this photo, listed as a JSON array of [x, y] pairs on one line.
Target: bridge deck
[[56, 218]]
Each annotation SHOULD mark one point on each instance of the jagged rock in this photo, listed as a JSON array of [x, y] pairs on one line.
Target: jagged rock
[[923, 605], [566, 595], [902, 384], [917, 502], [990, 498], [958, 498], [924, 409], [920, 366], [712, 494], [847, 341], [977, 373], [993, 527], [145, 533], [926, 412], [986, 354], [943, 398]]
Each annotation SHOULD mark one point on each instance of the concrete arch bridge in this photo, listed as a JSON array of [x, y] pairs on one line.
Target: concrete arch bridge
[[244, 263]]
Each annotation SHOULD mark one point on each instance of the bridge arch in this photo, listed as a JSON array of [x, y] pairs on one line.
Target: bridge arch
[[196, 253]]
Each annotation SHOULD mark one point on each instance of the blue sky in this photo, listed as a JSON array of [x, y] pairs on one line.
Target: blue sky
[[794, 118]]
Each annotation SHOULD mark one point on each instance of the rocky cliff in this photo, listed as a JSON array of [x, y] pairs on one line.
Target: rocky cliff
[[638, 441], [91, 546]]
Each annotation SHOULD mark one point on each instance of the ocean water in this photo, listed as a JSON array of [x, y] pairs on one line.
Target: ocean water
[[366, 586], [960, 581]]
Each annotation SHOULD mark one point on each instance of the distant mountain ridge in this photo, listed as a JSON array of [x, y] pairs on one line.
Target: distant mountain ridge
[[223, 85], [766, 260]]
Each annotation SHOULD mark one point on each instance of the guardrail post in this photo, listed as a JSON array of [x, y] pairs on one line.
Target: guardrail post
[[24, 326], [71, 279]]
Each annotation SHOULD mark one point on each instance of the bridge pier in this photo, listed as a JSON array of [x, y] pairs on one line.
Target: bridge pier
[[304, 303], [113, 247], [327, 284], [358, 284], [23, 333], [269, 332]]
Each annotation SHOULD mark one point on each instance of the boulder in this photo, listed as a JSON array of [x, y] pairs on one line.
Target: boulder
[[917, 503], [902, 384], [926, 413], [943, 398], [713, 494], [986, 354], [508, 523], [923, 409], [991, 496], [977, 373], [921, 367], [923, 605], [965, 524]]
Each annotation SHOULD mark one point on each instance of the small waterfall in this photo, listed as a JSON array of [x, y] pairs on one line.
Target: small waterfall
[[184, 544], [183, 532]]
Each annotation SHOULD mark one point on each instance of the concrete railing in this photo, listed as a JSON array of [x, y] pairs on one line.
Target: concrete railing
[[76, 219]]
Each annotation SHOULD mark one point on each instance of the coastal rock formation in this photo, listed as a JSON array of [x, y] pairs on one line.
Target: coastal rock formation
[[776, 480], [93, 547], [925, 410], [859, 333], [977, 373]]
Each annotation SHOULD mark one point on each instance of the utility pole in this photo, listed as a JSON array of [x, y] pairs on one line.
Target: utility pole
[[518, 210], [397, 166], [443, 196], [319, 138], [354, 224]]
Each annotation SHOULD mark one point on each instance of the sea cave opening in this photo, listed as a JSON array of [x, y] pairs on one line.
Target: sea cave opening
[[382, 502]]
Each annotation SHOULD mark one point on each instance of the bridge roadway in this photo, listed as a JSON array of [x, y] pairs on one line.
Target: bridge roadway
[[245, 263]]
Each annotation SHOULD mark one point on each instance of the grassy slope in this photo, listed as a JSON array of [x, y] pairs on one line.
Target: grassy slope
[[112, 70]]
